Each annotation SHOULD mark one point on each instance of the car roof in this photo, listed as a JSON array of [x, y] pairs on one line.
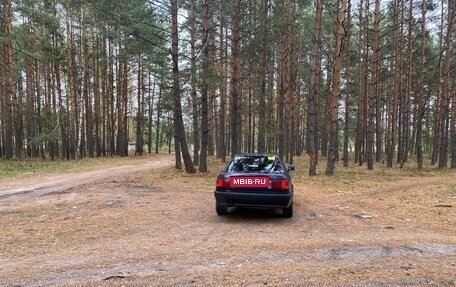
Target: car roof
[[255, 154]]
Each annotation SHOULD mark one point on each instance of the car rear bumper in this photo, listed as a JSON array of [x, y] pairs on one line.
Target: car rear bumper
[[254, 199]]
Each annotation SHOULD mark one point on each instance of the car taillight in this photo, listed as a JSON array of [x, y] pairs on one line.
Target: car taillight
[[223, 182], [280, 184]]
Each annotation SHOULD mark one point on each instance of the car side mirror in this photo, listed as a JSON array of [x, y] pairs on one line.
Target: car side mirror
[[291, 167]]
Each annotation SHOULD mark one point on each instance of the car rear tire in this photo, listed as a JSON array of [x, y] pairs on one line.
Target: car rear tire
[[221, 208], [287, 212]]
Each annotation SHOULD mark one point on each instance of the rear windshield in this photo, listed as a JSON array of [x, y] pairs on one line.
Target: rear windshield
[[253, 163]]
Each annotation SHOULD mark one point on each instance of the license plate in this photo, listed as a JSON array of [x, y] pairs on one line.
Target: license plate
[[239, 181]]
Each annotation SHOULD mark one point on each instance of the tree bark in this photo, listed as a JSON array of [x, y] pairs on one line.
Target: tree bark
[[445, 90], [332, 146], [150, 104], [158, 122], [314, 93], [97, 100], [420, 97], [235, 78], [262, 74], [178, 121], [140, 113], [193, 83], [6, 81], [360, 141], [394, 90], [453, 127], [438, 105], [347, 89], [223, 90], [86, 92], [406, 109], [283, 78], [72, 92], [204, 86], [373, 90]]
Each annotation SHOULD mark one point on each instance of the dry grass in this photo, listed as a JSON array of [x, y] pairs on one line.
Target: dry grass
[[12, 169]]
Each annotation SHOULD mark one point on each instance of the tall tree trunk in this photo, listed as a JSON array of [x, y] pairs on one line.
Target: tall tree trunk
[[39, 112], [150, 106], [211, 113], [262, 74], [51, 94], [122, 102], [86, 93], [111, 99], [406, 110], [140, 113], [62, 111], [347, 88], [314, 94], [420, 97], [438, 105], [6, 81], [159, 114], [73, 93], [445, 90], [104, 97], [380, 98], [235, 78], [332, 147], [193, 93], [204, 86], [293, 103], [394, 90], [360, 142], [178, 121], [97, 101], [453, 126], [450, 76], [270, 111], [326, 118], [223, 91], [283, 77], [249, 139], [373, 90], [30, 92], [212, 93]]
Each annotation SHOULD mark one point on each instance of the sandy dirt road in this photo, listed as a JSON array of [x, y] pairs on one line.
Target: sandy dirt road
[[148, 228], [13, 193]]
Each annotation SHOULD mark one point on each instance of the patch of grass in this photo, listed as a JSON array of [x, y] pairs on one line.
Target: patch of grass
[[180, 179], [350, 178], [403, 197], [357, 177], [17, 169], [31, 215]]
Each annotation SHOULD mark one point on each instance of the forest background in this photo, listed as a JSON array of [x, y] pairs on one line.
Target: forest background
[[367, 81]]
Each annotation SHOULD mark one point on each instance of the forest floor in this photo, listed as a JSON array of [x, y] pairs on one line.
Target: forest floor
[[151, 225]]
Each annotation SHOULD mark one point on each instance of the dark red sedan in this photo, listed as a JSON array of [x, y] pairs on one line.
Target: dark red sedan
[[255, 180]]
